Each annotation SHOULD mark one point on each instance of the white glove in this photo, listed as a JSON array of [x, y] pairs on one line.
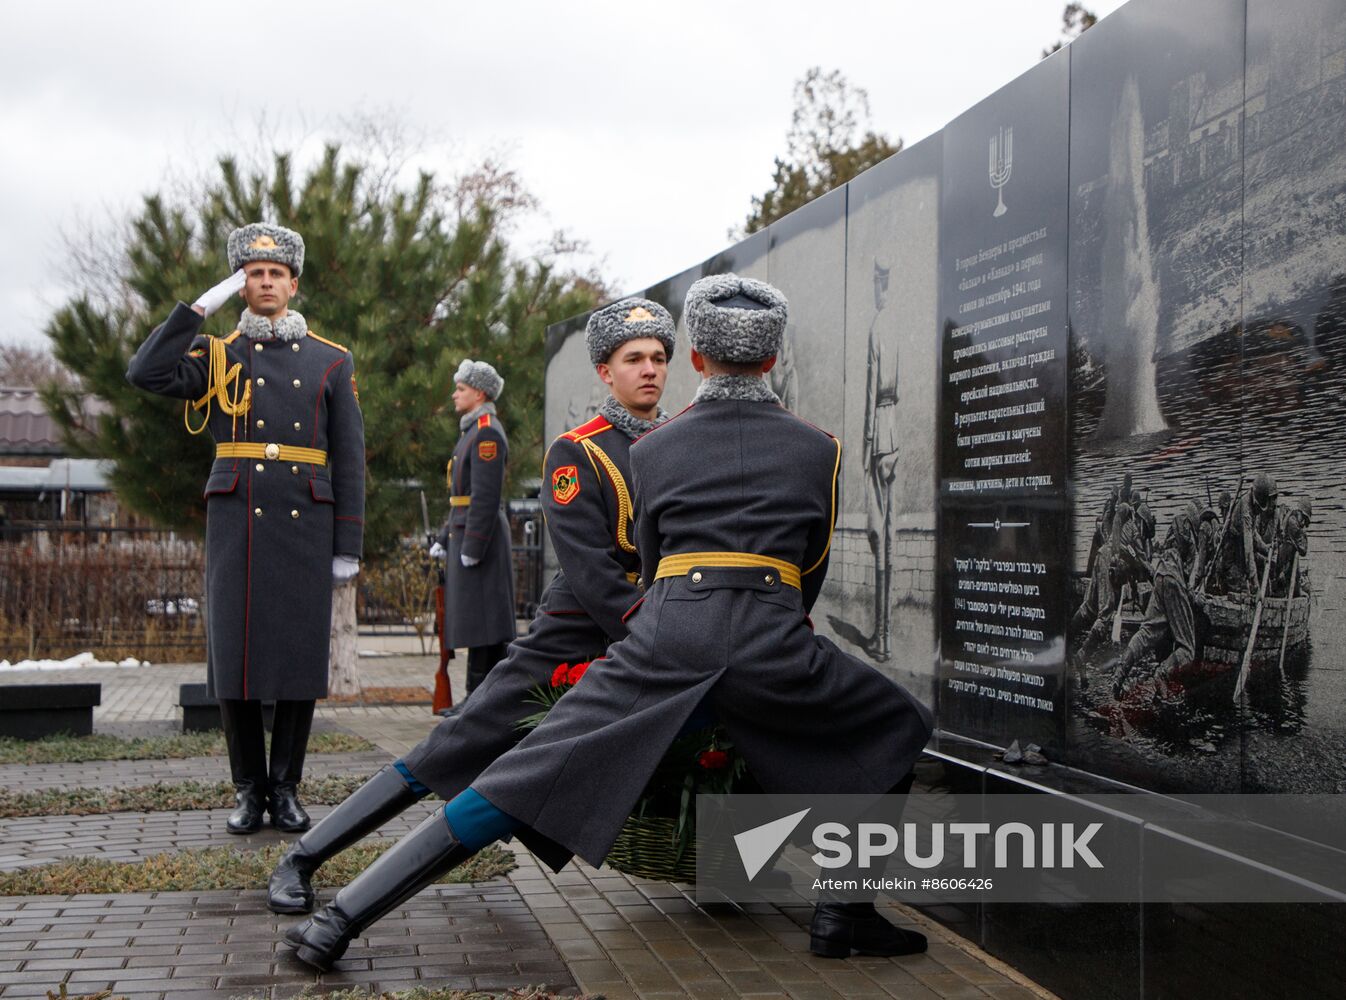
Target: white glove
[[468, 560], [221, 293], [344, 568], [436, 551]]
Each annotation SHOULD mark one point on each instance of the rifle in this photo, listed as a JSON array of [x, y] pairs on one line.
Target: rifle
[[1257, 619], [1224, 531], [1285, 625]]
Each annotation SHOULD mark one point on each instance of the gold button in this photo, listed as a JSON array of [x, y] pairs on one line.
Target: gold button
[[256, 347], [261, 423], [260, 380], [295, 383], [294, 470], [770, 579], [257, 511], [296, 425], [294, 347], [272, 451], [294, 513], [696, 577], [260, 467]]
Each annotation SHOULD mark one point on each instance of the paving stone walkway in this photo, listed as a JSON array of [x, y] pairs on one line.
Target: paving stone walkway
[[582, 929]]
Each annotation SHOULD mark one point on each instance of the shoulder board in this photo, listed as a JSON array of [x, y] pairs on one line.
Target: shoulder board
[[484, 420], [329, 343], [597, 425], [232, 337]]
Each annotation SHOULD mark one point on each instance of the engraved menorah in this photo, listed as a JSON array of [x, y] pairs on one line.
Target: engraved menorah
[[1002, 162]]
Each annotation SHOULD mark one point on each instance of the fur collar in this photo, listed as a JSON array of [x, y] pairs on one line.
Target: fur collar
[[291, 326], [468, 419], [750, 388], [626, 421]]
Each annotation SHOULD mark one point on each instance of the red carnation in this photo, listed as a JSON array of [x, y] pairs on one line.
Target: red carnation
[[577, 671], [713, 760], [560, 674]]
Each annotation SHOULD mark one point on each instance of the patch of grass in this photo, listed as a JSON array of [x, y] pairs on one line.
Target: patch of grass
[[206, 869], [180, 796], [67, 749]]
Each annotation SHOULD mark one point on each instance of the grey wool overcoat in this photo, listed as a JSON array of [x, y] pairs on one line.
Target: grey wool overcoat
[[478, 600], [273, 524], [727, 475], [586, 499]]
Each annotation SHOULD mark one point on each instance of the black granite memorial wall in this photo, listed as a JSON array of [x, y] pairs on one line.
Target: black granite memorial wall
[[1086, 352]]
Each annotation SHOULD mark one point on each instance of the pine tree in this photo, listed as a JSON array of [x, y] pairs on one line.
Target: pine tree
[[411, 278]]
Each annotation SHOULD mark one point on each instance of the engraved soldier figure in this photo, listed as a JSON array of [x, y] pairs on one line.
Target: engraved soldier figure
[[284, 510], [1170, 618], [881, 449], [735, 507], [1250, 535], [479, 573], [587, 501]]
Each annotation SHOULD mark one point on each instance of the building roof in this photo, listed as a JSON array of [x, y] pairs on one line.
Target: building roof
[[80, 475], [25, 427]]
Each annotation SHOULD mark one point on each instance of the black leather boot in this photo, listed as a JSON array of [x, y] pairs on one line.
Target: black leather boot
[[378, 800], [246, 740], [838, 929], [413, 863], [289, 743], [480, 660]]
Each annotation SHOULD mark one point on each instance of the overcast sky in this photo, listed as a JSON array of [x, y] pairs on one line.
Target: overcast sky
[[643, 129]]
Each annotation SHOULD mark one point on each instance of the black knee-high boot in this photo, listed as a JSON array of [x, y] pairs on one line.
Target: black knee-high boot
[[378, 800], [840, 929], [289, 745], [480, 660], [413, 863], [246, 740]]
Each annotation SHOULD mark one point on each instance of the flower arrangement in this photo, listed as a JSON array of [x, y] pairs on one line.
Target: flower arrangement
[[699, 761]]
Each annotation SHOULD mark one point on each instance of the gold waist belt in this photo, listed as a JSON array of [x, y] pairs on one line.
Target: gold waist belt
[[271, 452], [460, 501], [684, 563]]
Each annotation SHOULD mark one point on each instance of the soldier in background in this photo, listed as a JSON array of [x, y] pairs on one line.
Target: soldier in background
[[475, 540], [284, 506], [879, 458]]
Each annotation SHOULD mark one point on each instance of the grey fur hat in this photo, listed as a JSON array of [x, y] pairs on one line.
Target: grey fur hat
[[480, 375], [739, 320], [263, 241], [630, 319]]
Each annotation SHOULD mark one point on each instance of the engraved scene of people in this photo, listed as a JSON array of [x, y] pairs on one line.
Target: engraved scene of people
[[1207, 406]]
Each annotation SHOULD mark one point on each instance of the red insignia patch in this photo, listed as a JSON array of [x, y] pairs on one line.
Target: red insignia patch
[[486, 451], [565, 484], [355, 389]]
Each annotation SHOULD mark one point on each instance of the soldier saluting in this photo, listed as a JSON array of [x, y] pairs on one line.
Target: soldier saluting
[[479, 572], [284, 505], [733, 544], [587, 501]]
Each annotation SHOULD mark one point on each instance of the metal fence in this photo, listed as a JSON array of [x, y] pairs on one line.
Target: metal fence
[[115, 592], [139, 592]]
